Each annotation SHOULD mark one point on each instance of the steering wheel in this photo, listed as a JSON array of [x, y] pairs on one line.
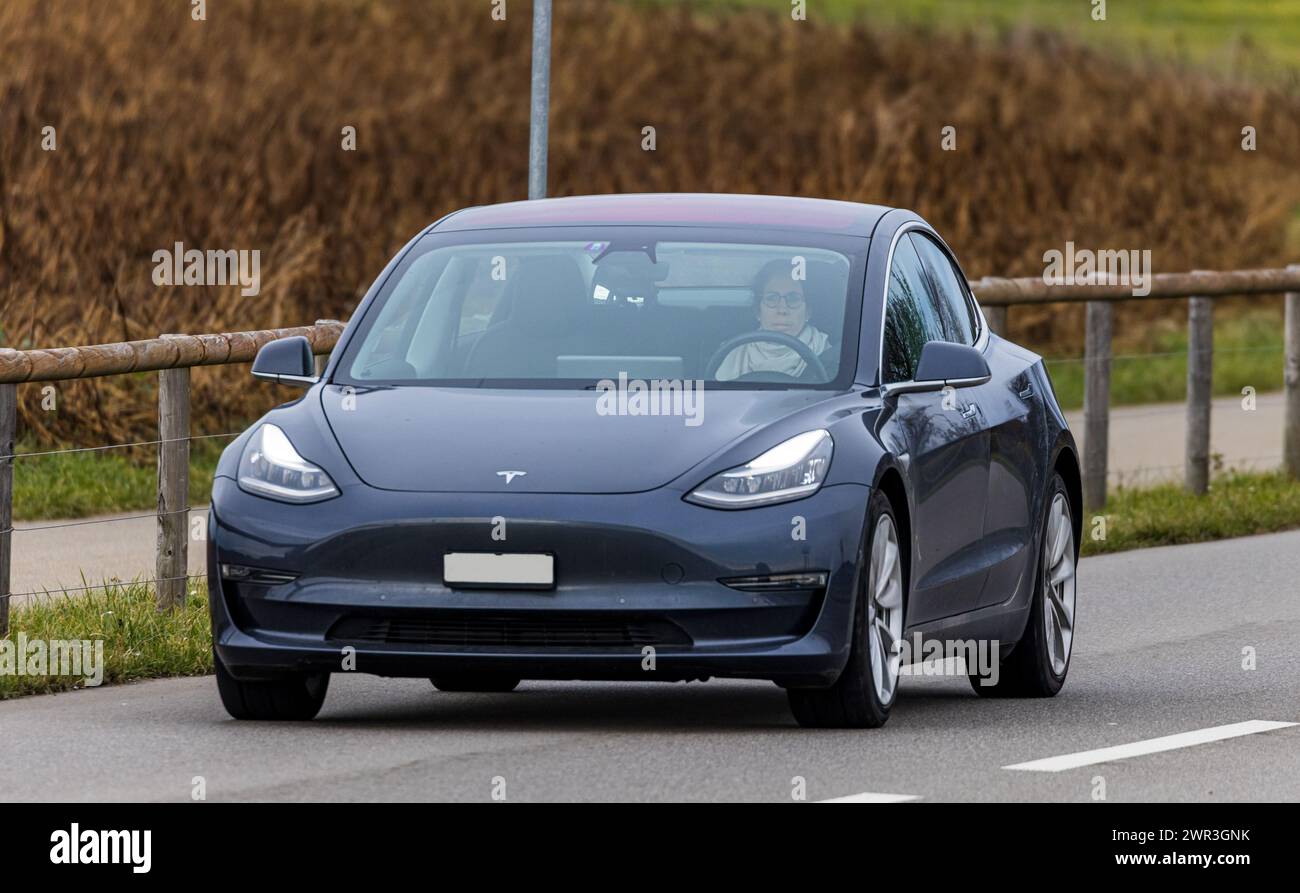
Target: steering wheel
[[803, 350]]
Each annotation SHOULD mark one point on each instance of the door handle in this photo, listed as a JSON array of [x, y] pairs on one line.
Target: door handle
[[969, 411]]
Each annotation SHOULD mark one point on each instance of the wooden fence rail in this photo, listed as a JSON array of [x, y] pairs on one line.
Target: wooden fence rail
[[166, 352], [172, 356], [1200, 287], [994, 291]]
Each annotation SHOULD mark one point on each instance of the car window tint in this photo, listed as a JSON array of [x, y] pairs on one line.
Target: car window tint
[[912, 317], [948, 292], [592, 306]]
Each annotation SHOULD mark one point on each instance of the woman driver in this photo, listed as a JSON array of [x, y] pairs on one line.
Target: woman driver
[[780, 307]]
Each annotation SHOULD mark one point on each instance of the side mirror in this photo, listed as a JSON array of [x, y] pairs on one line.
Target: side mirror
[[952, 365], [286, 360], [943, 365]]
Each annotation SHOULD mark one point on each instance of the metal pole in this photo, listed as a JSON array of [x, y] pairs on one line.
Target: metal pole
[[1200, 385], [1096, 404], [8, 426], [541, 98]]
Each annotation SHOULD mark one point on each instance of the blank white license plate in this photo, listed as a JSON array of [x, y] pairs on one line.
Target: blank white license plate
[[489, 569]]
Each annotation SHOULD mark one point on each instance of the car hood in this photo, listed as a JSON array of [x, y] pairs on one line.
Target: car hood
[[461, 439]]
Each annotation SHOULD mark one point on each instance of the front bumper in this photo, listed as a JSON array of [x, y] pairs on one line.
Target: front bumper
[[637, 593]]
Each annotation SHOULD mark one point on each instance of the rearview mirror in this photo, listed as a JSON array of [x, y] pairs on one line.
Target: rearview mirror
[[286, 360]]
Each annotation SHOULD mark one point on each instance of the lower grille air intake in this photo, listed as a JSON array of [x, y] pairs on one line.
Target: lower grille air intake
[[510, 631]]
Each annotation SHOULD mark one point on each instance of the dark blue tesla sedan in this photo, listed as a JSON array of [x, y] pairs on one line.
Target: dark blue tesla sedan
[[661, 437]]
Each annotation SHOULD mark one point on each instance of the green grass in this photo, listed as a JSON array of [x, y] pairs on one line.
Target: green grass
[[74, 485], [1227, 35], [139, 642], [1238, 504], [1248, 351]]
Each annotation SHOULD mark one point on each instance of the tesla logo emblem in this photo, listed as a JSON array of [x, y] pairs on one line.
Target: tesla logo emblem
[[511, 475]]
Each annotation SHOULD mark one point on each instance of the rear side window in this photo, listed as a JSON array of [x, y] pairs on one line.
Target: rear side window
[[946, 290], [912, 316]]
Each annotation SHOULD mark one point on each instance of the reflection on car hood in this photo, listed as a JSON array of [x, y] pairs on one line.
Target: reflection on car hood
[[463, 439]]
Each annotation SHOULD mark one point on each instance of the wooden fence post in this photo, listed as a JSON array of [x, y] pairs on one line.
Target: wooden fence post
[[322, 360], [173, 486], [1200, 384], [1291, 378], [8, 427], [1096, 404], [996, 317]]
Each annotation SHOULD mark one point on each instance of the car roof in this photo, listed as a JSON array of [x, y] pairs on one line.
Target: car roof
[[674, 209]]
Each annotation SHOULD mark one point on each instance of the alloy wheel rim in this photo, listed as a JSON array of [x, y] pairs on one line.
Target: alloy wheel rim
[[885, 609], [1058, 584]]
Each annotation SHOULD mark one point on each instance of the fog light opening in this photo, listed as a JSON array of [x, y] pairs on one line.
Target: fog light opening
[[767, 582], [238, 573]]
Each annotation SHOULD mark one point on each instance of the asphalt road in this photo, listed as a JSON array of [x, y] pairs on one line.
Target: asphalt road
[[1159, 652], [54, 556], [1148, 443], [1146, 446]]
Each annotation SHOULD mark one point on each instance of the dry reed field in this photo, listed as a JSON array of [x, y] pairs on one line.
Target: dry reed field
[[226, 134]]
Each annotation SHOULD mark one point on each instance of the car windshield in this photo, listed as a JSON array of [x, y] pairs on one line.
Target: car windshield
[[593, 306]]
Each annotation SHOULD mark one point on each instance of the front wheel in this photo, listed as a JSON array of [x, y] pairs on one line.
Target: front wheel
[[294, 697], [1037, 666], [864, 694]]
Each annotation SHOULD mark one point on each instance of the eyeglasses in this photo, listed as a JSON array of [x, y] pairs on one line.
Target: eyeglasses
[[793, 300]]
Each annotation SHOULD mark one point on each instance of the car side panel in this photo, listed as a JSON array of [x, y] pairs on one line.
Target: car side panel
[[1018, 459], [946, 456]]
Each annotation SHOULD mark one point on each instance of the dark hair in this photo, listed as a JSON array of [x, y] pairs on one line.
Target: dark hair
[[770, 269]]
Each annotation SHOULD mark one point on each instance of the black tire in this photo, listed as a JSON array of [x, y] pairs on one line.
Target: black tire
[[1027, 671], [475, 683], [293, 698], [852, 701]]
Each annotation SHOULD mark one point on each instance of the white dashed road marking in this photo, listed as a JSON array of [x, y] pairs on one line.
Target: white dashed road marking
[[873, 798], [1151, 745]]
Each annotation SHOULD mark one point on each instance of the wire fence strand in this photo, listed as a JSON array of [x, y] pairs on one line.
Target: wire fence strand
[[1165, 354], [114, 446], [1178, 409], [27, 529], [107, 584], [1239, 464]]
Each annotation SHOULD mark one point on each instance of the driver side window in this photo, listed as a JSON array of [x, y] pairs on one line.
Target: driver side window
[[945, 285], [912, 314]]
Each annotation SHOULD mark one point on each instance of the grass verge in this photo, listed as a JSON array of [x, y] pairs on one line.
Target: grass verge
[[1238, 504], [138, 641], [75, 485]]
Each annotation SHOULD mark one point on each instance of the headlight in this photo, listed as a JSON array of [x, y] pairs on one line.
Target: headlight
[[787, 471], [271, 467]]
